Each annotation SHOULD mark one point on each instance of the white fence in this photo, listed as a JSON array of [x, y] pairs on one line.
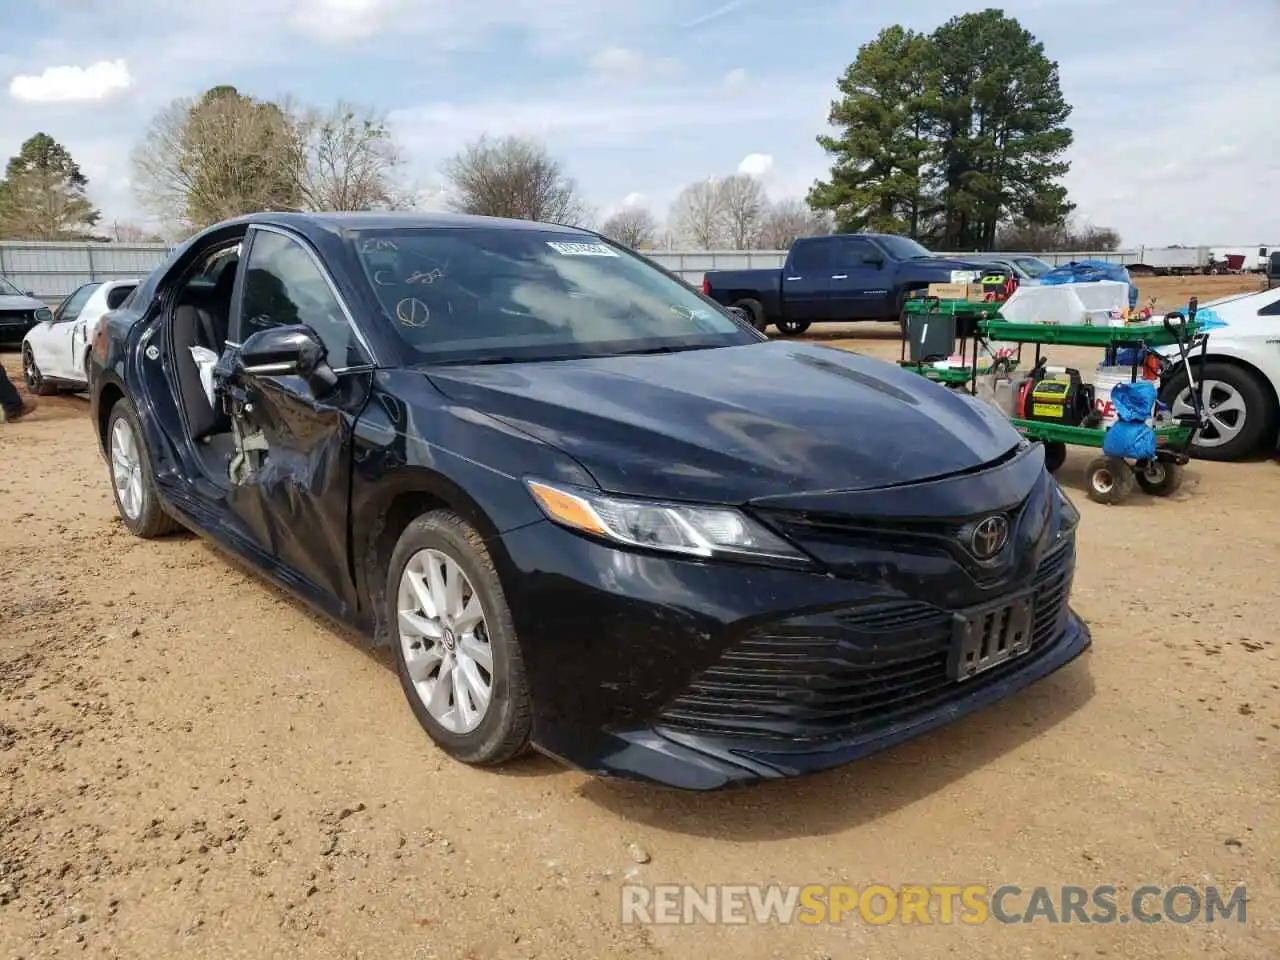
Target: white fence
[[53, 270]]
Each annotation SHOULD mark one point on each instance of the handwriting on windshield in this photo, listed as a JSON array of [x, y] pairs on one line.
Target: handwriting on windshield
[[377, 243], [427, 278], [412, 312]]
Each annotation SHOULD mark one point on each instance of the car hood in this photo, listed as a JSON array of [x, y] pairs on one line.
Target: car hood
[[733, 424], [11, 302], [951, 263]]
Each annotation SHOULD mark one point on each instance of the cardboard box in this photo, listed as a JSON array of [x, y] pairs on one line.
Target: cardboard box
[[957, 291]]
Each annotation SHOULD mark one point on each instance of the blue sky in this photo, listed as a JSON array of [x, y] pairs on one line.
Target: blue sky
[[1175, 101]]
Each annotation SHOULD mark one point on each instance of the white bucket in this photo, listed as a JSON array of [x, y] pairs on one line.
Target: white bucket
[[1103, 380]]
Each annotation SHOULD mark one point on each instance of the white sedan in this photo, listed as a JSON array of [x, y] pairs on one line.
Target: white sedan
[[54, 351], [1241, 378]]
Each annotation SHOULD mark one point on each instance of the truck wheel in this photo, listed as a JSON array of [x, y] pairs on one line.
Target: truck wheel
[[793, 328], [755, 310]]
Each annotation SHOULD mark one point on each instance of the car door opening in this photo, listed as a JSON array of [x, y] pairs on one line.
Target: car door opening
[[198, 333]]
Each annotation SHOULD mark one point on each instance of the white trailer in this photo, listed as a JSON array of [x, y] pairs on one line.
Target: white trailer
[[1255, 258], [1170, 260]]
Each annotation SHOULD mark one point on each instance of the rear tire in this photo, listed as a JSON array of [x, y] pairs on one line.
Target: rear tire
[[1233, 433], [1159, 479], [132, 481], [501, 731], [754, 310], [1055, 455]]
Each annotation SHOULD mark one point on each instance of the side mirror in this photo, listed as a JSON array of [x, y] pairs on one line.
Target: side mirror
[[31, 294], [294, 350], [872, 260]]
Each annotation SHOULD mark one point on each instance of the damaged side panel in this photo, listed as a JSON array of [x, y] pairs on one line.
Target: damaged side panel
[[291, 473]]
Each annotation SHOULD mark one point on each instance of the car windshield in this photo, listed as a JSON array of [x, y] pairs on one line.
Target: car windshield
[[903, 248], [8, 289], [495, 295], [1033, 266]]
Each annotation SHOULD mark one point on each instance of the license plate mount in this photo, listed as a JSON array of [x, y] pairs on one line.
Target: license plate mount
[[987, 636]]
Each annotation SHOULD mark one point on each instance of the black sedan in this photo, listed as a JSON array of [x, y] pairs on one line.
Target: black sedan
[[589, 510]]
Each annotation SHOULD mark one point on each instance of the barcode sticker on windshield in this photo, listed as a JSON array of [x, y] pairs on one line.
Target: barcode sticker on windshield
[[581, 249]]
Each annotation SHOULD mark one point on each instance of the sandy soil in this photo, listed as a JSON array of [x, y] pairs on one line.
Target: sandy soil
[[193, 765]]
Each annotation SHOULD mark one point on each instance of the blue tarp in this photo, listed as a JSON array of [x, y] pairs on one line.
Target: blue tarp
[[1136, 441], [1088, 271], [1134, 401], [1131, 437]]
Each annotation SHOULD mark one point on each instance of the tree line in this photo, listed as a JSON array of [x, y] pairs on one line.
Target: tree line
[[955, 138]]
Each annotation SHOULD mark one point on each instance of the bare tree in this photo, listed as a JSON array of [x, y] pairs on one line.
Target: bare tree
[[698, 216], [513, 177], [789, 220], [223, 155], [344, 158], [632, 227], [1068, 235], [124, 231], [743, 205]]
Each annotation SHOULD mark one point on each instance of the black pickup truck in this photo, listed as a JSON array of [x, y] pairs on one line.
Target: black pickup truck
[[836, 279]]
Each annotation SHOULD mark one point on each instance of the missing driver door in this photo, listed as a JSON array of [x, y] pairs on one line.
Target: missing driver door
[[291, 474]]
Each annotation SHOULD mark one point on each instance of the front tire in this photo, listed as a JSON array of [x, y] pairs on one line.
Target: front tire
[[32, 376], [1108, 480], [132, 479], [455, 645], [1238, 404], [793, 328]]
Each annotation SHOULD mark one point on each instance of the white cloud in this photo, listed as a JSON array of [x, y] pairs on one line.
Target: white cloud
[[756, 165], [98, 81], [715, 14], [633, 199], [617, 60], [622, 62], [337, 21], [735, 78]]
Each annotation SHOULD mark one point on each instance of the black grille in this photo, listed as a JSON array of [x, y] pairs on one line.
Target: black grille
[[17, 319], [851, 671]]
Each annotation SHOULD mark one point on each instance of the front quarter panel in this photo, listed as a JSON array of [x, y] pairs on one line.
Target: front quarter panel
[[413, 443]]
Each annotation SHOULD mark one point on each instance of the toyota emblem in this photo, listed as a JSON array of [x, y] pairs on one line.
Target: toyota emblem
[[989, 537]]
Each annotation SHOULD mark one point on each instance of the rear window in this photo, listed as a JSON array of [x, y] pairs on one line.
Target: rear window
[[498, 295], [118, 295]]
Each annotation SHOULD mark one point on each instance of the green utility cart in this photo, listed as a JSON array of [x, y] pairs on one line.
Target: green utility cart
[[1111, 479], [1107, 479]]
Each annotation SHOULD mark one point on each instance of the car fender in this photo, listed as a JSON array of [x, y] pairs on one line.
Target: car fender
[[397, 476]]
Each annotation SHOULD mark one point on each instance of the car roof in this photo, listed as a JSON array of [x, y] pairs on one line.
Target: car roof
[[343, 222]]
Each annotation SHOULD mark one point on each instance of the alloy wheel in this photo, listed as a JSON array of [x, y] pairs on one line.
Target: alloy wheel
[[444, 638], [1224, 409], [30, 372], [126, 468]]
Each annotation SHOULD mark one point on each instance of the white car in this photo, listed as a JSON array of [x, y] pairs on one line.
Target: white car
[[1241, 378], [54, 351]]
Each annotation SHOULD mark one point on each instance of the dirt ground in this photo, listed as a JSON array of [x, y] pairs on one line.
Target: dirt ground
[[192, 765]]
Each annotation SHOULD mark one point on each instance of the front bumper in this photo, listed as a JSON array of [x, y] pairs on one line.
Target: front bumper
[[707, 675]]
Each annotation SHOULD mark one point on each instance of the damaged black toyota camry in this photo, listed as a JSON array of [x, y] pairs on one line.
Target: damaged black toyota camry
[[588, 509]]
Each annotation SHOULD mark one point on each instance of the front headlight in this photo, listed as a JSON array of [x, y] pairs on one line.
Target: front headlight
[[1068, 515], [43, 315], [696, 531]]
